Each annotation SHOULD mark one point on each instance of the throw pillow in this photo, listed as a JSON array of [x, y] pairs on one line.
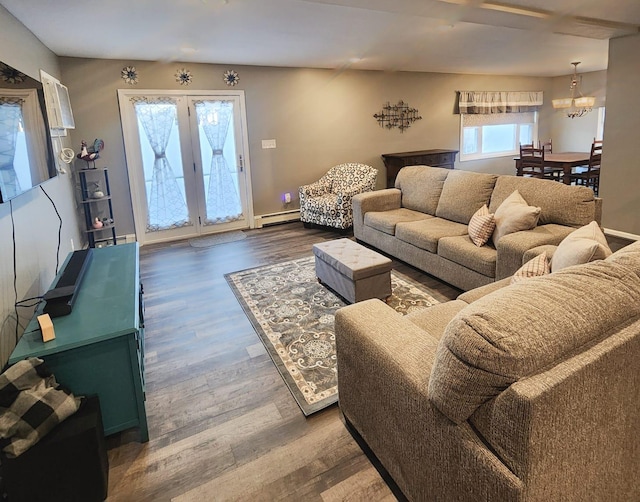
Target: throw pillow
[[514, 215], [583, 245], [481, 226], [540, 265]]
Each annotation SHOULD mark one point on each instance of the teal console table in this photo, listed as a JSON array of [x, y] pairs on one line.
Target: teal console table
[[99, 346]]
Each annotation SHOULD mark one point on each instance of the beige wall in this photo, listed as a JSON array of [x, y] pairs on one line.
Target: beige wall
[[620, 178], [36, 223], [319, 118]]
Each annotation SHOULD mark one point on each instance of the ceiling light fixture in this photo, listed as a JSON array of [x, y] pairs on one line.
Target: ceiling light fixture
[[577, 105]]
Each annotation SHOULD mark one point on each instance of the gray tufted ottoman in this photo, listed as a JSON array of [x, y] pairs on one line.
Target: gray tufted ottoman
[[353, 271]]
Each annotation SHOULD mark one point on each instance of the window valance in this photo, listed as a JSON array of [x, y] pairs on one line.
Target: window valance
[[486, 102]]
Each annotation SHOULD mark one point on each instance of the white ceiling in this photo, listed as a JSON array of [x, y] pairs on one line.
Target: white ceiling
[[521, 37]]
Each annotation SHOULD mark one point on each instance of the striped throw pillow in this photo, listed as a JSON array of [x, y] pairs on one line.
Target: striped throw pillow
[[481, 226], [540, 265]]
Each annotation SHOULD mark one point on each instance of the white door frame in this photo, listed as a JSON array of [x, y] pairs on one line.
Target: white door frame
[[132, 151]]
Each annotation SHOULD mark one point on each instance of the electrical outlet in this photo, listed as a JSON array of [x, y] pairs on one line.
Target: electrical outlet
[[287, 198], [268, 143]]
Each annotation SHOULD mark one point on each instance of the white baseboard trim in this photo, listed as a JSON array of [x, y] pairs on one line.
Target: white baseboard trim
[[125, 239], [272, 218], [622, 235]]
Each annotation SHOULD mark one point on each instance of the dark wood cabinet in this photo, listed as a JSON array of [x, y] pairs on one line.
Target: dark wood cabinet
[[435, 158]]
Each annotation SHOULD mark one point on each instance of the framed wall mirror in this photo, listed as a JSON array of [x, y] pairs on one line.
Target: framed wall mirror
[[26, 150]]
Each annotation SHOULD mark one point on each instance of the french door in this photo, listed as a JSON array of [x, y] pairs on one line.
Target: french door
[[188, 162]]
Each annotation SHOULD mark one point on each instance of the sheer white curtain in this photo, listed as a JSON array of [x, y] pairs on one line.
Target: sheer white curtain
[[166, 204], [10, 119], [223, 202]]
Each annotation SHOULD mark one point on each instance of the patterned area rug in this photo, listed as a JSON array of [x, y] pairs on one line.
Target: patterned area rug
[[293, 315], [215, 239]]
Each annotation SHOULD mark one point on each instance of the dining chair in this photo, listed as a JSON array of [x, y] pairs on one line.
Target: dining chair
[[547, 146], [591, 176], [555, 173], [531, 161]]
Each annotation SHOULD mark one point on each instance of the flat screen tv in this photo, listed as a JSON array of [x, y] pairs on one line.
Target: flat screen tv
[[26, 151]]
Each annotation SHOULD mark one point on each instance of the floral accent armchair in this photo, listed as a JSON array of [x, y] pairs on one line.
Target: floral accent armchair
[[327, 201]]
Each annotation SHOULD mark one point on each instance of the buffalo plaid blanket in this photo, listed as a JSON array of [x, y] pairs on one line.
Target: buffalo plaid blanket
[[31, 404]]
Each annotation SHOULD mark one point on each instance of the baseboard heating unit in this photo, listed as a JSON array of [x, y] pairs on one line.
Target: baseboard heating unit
[[275, 218]]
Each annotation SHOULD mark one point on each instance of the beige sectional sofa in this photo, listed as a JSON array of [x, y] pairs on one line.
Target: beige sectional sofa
[[512, 392], [423, 221]]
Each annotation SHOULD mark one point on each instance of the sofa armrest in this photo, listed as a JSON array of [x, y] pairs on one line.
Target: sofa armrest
[[314, 189], [511, 247], [373, 325], [580, 409], [384, 363], [379, 200]]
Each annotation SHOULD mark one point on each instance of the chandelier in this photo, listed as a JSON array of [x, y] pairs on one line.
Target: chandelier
[[577, 105]]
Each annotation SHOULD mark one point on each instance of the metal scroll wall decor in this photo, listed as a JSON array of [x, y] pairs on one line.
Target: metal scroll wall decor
[[400, 115]]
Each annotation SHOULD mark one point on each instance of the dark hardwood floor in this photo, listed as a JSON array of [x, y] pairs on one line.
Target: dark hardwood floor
[[222, 424]]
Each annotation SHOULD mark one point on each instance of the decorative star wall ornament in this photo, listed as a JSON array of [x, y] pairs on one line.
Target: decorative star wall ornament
[[184, 77], [130, 75], [231, 77]]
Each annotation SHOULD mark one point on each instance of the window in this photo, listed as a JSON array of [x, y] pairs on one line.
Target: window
[[485, 136]]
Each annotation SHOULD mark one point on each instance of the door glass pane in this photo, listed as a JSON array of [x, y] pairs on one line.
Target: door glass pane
[[218, 155], [162, 165]]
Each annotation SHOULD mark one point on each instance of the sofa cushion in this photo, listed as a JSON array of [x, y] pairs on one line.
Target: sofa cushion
[[475, 294], [421, 187], [386, 221], [481, 226], [425, 234], [500, 338], [514, 215], [530, 254], [583, 245], [464, 192], [629, 256], [462, 251], [434, 319], [559, 203], [535, 267]]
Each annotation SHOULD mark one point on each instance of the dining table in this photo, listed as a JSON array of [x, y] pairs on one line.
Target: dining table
[[565, 160]]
